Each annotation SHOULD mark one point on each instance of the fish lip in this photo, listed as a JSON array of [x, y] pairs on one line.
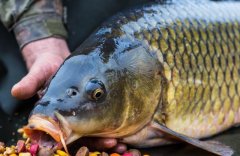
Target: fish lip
[[45, 124]]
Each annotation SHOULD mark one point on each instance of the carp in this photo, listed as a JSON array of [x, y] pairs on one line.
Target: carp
[[150, 76]]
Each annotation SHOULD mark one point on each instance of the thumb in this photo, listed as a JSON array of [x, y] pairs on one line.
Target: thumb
[[32, 82]]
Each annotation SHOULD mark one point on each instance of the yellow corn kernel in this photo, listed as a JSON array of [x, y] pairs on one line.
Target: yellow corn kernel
[[24, 135], [2, 149], [9, 150], [97, 153], [25, 154], [20, 130], [62, 153], [94, 154], [13, 147], [13, 154], [28, 146], [56, 155]]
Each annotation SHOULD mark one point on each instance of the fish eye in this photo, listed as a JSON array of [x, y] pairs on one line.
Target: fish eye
[[95, 90]]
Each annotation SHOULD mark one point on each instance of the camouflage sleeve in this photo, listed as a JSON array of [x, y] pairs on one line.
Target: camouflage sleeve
[[33, 19]]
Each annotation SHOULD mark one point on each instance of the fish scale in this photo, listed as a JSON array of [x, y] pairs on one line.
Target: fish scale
[[199, 49]]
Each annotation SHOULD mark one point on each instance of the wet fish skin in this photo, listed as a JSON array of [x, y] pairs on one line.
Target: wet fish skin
[[198, 45], [175, 64]]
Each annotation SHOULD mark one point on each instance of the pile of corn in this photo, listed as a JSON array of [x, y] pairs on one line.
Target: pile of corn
[[26, 148]]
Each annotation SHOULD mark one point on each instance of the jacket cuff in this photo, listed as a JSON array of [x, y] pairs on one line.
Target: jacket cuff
[[39, 27]]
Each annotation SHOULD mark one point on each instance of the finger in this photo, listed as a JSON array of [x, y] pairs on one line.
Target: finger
[[31, 83], [119, 148], [98, 143]]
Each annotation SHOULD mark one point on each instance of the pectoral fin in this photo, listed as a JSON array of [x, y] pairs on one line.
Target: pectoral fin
[[210, 146]]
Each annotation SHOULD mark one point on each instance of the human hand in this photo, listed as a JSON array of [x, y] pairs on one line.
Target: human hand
[[43, 58], [101, 144]]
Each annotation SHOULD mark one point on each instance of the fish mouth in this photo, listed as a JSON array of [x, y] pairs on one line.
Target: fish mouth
[[46, 132]]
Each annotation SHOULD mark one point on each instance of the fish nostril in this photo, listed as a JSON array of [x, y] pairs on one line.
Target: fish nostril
[[74, 93], [71, 92]]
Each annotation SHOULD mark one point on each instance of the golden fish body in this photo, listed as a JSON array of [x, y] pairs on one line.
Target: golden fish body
[[198, 45]]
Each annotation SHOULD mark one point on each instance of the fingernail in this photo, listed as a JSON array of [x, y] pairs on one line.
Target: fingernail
[[110, 143], [16, 91], [14, 88]]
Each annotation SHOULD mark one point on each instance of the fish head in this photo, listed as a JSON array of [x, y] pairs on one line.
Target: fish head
[[92, 96]]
